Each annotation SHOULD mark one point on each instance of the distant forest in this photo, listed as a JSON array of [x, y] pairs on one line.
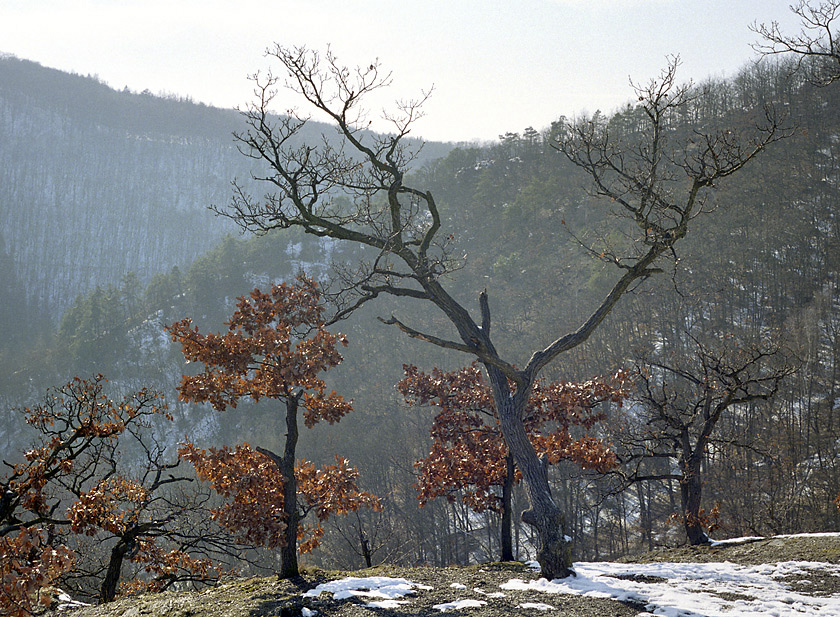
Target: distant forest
[[106, 236]]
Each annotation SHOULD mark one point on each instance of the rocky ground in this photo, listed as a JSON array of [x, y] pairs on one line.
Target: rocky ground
[[272, 597]]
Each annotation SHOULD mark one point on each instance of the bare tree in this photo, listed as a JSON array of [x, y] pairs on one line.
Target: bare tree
[[681, 403], [817, 41], [354, 188]]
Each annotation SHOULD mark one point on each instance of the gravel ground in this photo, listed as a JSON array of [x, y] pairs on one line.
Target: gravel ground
[[272, 597]]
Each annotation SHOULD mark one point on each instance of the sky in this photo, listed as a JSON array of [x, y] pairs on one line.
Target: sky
[[495, 66]]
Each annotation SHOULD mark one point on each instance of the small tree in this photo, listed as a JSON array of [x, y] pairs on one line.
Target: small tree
[[78, 428], [275, 347], [682, 402], [469, 455], [75, 480], [165, 533]]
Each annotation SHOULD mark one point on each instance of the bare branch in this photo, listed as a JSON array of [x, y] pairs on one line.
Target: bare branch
[[816, 46]]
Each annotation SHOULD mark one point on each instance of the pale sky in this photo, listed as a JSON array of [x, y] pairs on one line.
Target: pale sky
[[496, 65]]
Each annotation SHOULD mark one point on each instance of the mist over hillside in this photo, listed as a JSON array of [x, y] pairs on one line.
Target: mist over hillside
[[96, 183]]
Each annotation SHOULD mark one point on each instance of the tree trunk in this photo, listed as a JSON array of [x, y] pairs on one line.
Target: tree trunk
[[507, 510], [554, 552], [108, 589], [286, 465], [365, 546], [288, 552], [691, 490]]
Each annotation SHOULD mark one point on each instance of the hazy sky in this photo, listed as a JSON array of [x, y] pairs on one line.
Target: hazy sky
[[496, 65]]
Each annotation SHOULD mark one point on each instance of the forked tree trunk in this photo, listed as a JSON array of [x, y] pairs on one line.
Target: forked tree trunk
[[545, 516]]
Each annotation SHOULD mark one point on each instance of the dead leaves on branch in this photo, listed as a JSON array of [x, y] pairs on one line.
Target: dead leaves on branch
[[468, 452], [253, 488], [27, 564], [276, 345], [114, 504], [78, 427], [166, 567]]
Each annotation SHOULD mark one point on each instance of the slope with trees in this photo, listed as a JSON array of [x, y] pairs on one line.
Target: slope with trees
[[765, 262]]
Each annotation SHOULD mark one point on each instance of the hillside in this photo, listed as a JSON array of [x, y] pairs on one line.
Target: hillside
[[797, 575], [97, 183]]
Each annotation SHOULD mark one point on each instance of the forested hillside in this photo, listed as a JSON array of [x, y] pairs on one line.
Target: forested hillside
[[97, 183], [108, 239]]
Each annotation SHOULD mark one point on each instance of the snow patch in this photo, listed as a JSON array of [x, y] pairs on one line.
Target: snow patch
[[386, 590], [457, 605], [536, 605], [495, 594], [747, 539], [66, 601]]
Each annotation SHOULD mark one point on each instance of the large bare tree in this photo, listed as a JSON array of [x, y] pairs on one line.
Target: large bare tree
[[354, 187]]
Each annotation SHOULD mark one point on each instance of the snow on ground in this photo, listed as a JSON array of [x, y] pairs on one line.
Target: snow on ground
[[746, 539], [387, 591], [690, 589], [721, 589], [457, 605]]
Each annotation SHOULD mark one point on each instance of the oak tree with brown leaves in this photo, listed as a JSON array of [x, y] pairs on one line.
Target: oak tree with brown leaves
[[77, 428], [75, 481], [275, 347], [469, 456], [164, 532]]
